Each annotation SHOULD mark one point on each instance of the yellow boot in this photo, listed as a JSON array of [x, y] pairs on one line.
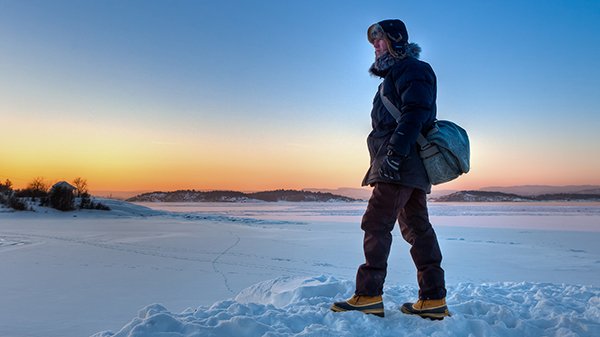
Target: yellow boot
[[366, 304], [433, 309]]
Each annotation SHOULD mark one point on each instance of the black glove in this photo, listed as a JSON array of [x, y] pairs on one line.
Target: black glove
[[391, 166]]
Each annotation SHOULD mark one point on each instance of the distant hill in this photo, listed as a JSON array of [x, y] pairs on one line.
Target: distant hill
[[235, 196], [119, 195], [544, 189], [480, 196], [491, 196], [363, 193], [591, 191]]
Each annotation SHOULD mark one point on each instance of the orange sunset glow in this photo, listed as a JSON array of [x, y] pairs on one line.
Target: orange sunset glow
[[165, 106]]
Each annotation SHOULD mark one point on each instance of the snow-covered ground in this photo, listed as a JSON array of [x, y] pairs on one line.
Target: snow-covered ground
[[264, 269]]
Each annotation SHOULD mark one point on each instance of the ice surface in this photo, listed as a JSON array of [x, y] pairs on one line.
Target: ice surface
[[548, 215], [274, 269]]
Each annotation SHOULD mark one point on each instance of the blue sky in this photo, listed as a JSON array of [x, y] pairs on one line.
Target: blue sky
[[242, 84]]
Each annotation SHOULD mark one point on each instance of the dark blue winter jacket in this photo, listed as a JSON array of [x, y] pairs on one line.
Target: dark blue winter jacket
[[410, 84]]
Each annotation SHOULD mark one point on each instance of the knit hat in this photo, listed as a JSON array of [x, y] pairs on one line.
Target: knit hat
[[393, 31]]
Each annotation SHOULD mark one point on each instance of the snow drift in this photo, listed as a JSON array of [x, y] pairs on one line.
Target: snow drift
[[291, 306]]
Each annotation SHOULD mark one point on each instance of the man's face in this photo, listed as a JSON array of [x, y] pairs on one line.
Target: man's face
[[380, 46]]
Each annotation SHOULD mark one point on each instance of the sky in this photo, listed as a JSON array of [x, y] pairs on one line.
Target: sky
[[257, 95]]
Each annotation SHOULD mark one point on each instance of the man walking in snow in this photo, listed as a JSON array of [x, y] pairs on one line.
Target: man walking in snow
[[398, 176]]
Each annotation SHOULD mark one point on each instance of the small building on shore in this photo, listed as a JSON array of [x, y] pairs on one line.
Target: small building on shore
[[62, 195], [63, 185]]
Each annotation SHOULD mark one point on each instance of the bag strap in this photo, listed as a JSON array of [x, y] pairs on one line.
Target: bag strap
[[391, 108]]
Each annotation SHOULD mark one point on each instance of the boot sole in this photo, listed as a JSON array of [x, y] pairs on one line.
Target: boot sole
[[431, 315], [376, 312]]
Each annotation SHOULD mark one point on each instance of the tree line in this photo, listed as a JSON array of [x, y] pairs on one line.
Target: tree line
[[61, 196]]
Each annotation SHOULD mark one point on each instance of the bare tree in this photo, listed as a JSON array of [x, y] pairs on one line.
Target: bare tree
[[38, 185], [81, 185], [6, 187]]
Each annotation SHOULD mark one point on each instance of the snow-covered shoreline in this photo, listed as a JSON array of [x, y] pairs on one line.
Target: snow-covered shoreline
[[77, 273]]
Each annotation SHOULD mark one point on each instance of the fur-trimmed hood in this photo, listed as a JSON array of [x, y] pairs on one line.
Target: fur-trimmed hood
[[383, 63], [412, 50]]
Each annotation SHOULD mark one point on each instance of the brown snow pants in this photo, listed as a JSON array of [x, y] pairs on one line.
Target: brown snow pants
[[409, 206]]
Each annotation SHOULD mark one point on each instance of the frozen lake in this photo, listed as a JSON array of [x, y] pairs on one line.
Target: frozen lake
[[569, 216], [76, 273]]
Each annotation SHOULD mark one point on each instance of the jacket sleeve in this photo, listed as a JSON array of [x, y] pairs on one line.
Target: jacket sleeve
[[417, 95]]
